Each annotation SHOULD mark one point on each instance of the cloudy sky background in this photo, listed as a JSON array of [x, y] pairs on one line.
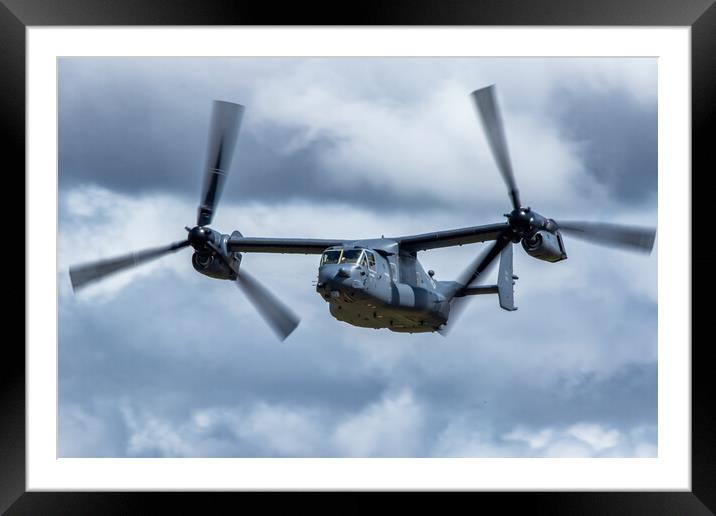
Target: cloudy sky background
[[164, 362]]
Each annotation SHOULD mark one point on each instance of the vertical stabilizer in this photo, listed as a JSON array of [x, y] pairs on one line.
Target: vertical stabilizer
[[505, 280]]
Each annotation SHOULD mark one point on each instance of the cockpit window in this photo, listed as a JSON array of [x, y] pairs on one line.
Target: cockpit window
[[330, 257], [371, 260], [351, 255]]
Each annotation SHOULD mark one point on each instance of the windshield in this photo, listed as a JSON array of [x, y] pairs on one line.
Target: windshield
[[330, 257], [351, 255], [343, 256]]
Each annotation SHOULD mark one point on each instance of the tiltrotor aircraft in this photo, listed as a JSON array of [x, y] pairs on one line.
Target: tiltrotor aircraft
[[377, 282]]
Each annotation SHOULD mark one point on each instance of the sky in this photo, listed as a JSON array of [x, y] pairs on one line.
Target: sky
[[161, 361]]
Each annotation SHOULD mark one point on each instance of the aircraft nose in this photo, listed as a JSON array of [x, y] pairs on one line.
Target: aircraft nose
[[325, 274], [334, 274]]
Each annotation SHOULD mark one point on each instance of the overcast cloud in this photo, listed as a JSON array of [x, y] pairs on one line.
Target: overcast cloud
[[164, 362]]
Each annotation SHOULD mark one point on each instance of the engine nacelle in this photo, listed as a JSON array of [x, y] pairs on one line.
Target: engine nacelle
[[211, 264], [214, 260], [545, 245]]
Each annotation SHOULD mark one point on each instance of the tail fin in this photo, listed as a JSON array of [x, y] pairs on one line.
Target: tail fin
[[505, 280], [504, 288]]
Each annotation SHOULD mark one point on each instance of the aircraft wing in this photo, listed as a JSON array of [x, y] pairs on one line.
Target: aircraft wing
[[425, 241], [451, 237], [280, 245]]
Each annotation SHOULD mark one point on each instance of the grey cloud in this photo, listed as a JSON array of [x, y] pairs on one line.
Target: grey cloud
[[210, 357], [140, 126], [126, 129], [617, 139], [142, 359], [173, 345]]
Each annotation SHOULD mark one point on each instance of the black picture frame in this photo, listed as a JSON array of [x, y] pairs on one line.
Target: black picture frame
[[700, 15]]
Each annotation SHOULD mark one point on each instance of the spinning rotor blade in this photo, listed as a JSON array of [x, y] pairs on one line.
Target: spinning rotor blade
[[84, 274], [470, 275], [633, 238], [277, 315], [225, 123], [492, 122]]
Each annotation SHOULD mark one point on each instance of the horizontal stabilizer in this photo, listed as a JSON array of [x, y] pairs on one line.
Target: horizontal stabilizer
[[478, 290]]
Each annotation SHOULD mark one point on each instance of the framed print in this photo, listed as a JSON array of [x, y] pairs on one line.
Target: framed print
[[162, 379]]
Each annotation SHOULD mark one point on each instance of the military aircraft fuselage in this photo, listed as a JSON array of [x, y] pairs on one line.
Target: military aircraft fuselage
[[373, 284]]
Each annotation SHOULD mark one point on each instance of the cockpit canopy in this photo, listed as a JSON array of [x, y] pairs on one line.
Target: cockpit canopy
[[362, 257]]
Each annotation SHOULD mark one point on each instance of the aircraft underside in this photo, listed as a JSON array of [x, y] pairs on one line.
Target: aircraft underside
[[365, 313]]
